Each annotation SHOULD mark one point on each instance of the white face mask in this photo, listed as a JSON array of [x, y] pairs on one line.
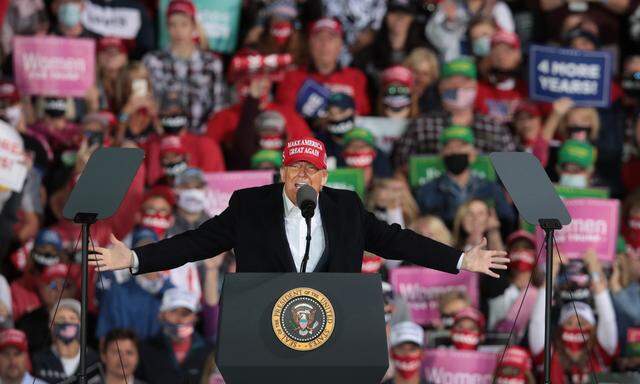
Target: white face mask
[[574, 180], [13, 114], [192, 200], [151, 286]]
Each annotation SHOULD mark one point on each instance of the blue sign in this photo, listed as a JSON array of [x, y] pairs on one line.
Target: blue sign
[[312, 99], [583, 76]]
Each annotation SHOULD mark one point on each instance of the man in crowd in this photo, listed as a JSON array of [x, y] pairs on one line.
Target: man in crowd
[[14, 358], [458, 88], [407, 341], [119, 356], [443, 195]]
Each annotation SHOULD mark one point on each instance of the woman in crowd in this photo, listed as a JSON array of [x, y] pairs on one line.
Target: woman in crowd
[[426, 71], [110, 91]]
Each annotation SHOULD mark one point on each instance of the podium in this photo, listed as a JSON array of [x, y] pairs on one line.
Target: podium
[[302, 327]]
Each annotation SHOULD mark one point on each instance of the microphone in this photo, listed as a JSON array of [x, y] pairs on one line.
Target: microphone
[[307, 199]]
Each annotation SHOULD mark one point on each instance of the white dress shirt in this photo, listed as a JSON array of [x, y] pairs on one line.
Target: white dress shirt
[[296, 229]]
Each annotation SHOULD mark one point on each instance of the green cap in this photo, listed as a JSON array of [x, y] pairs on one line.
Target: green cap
[[457, 132], [577, 152], [266, 156], [462, 66], [357, 133]]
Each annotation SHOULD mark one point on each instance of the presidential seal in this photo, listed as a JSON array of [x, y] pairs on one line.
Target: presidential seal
[[303, 319]]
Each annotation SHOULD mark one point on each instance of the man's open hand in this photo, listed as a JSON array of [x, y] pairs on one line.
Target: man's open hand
[[477, 259], [119, 256]]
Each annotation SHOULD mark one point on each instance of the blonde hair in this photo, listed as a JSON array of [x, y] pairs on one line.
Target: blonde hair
[[594, 119], [423, 55], [437, 230], [450, 296], [458, 235]]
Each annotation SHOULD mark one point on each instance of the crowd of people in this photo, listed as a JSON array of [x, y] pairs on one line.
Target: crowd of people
[[453, 70]]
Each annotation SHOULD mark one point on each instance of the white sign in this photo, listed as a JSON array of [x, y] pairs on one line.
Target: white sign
[[13, 168], [111, 21]]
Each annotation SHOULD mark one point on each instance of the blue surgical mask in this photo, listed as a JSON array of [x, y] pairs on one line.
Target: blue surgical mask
[[574, 180], [69, 14], [481, 46], [66, 332]]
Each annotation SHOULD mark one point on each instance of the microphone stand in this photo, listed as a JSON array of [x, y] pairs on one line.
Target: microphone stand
[[303, 267]]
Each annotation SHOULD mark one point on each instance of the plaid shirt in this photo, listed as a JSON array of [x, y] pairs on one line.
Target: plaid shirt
[[423, 132], [199, 82]]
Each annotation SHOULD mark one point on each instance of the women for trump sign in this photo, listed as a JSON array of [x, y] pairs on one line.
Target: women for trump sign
[[54, 66]]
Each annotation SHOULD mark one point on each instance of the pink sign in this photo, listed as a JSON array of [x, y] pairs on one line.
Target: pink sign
[[422, 287], [223, 184], [594, 224], [444, 366], [54, 66]]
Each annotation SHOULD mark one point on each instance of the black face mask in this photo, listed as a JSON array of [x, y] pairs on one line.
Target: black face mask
[[340, 127], [174, 124], [499, 75], [631, 85], [456, 163]]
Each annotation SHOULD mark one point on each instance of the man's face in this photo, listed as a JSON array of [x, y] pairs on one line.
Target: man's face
[[156, 205], [178, 316], [299, 173], [527, 126], [50, 292], [398, 22], [13, 364], [458, 147], [128, 353], [505, 57], [325, 47], [181, 28], [466, 325], [407, 349]]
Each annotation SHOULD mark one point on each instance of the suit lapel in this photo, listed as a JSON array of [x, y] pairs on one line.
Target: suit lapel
[[274, 217], [327, 213]]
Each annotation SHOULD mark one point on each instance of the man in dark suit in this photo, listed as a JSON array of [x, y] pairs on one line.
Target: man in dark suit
[[267, 232]]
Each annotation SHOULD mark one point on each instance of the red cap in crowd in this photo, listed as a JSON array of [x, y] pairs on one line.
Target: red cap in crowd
[[472, 314], [172, 144], [326, 23], [397, 75], [527, 107], [56, 271], [109, 42], [181, 6], [506, 37], [516, 356], [163, 191], [9, 93], [13, 338], [310, 150]]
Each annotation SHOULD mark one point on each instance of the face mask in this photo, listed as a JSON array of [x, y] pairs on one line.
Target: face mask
[[522, 260], [45, 259], [273, 142], [175, 168], [340, 127], [66, 332], [151, 286], [465, 339], [407, 366], [192, 200], [281, 31], [499, 75], [457, 163], [481, 46], [178, 332], [578, 133], [173, 124], [13, 114], [158, 222], [459, 98], [631, 84], [69, 14], [359, 159], [574, 180], [521, 379], [573, 339]]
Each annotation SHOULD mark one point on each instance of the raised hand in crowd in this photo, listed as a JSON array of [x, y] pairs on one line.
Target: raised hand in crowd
[[598, 278]]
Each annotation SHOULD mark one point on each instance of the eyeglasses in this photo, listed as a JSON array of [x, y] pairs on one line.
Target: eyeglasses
[[309, 169]]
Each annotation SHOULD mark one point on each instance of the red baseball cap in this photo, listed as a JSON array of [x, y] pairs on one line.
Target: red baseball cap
[[326, 23], [516, 356], [13, 338], [56, 271], [163, 191], [309, 149], [111, 42], [181, 6], [472, 314], [521, 234], [172, 144], [506, 37], [397, 75], [9, 93]]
